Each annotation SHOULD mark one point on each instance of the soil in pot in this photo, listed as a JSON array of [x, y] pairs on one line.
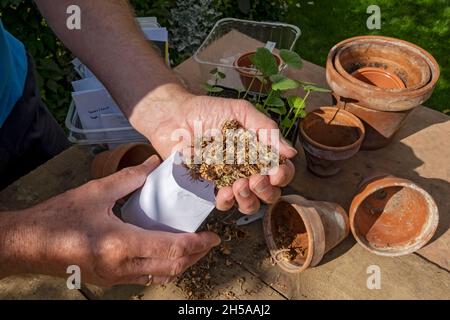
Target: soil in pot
[[330, 135], [290, 235], [393, 216], [299, 232]]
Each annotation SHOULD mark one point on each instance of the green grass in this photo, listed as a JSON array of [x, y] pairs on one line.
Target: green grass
[[423, 22]]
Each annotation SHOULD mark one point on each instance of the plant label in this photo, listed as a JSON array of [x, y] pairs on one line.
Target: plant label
[[170, 199]]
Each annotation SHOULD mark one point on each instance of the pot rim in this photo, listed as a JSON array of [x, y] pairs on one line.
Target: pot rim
[[268, 235], [384, 181], [117, 155], [331, 72], [420, 52], [245, 71], [357, 121]]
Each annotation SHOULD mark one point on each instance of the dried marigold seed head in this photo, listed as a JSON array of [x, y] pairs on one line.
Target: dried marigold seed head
[[224, 164]]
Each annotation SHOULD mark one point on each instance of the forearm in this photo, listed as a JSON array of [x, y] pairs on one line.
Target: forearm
[[20, 247], [111, 44]]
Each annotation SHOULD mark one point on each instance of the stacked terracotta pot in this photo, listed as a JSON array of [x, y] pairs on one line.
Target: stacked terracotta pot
[[380, 80]]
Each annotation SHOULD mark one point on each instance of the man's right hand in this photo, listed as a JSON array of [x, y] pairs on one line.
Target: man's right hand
[[79, 228]]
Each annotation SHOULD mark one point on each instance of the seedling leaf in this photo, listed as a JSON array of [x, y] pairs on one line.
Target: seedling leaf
[[283, 83], [314, 88], [265, 62], [291, 58]]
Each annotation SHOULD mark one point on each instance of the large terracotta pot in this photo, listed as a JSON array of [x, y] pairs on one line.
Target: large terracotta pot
[[393, 65], [329, 135], [417, 69], [392, 216], [380, 126], [309, 228]]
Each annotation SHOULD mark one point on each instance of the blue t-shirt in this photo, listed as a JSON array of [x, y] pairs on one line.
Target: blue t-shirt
[[13, 72]]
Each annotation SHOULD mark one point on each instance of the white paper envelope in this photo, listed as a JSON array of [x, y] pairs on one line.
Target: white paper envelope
[[170, 200]]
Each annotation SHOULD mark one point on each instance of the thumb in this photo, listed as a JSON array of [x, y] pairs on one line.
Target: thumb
[[126, 181]]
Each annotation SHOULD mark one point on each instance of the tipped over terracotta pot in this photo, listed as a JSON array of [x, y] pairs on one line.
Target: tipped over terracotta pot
[[392, 216], [124, 156], [329, 135], [300, 232]]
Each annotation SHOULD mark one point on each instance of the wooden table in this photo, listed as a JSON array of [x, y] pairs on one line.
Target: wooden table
[[420, 152]]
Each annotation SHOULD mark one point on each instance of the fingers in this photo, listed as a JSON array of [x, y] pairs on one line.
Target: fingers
[[146, 281], [247, 201], [171, 246], [262, 188], [128, 180], [225, 199], [282, 175], [163, 268]]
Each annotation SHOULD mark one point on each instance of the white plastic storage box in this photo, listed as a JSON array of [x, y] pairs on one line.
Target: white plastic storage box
[[231, 38]]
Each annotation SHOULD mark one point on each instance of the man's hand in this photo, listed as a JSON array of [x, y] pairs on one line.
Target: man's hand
[[79, 228], [150, 95], [171, 107]]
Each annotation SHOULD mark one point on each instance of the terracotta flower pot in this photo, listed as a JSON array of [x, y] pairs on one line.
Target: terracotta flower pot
[[329, 135], [244, 67], [379, 78], [400, 58], [300, 232], [397, 67], [126, 155], [381, 126], [391, 216]]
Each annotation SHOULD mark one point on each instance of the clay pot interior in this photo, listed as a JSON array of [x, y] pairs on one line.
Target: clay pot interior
[[391, 64], [331, 130], [299, 232], [289, 231], [394, 220], [244, 66], [330, 135]]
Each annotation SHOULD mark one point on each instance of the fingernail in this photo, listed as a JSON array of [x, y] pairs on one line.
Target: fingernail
[[244, 193], [261, 186]]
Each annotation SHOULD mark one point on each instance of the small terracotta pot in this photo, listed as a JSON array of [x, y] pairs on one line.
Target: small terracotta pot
[[381, 126], [312, 227], [405, 60], [379, 78], [243, 65], [392, 216], [329, 135], [125, 155]]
